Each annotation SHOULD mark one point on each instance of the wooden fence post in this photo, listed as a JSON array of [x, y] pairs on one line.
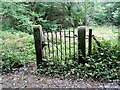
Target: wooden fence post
[[38, 37], [90, 42], [81, 44]]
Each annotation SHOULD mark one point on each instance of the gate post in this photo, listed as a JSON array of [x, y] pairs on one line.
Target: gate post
[[90, 42], [38, 37], [81, 44]]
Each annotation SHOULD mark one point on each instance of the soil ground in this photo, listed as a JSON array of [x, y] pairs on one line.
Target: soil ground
[[25, 77]]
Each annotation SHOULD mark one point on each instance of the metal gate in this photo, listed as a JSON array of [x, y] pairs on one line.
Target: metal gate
[[62, 44]]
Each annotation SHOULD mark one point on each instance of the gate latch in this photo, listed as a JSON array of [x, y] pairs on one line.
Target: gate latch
[[44, 44]]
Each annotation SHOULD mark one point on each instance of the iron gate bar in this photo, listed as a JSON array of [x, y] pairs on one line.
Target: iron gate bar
[[56, 43], [61, 43], [74, 41], [48, 44], [65, 41], [52, 44], [45, 47], [69, 45], [90, 42]]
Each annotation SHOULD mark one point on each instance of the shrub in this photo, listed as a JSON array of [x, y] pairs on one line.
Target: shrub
[[16, 49]]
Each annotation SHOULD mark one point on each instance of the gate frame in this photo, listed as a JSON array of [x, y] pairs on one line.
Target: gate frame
[[81, 44], [38, 38]]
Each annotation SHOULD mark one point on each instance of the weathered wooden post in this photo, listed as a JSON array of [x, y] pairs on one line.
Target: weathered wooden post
[[38, 37], [81, 44], [90, 42]]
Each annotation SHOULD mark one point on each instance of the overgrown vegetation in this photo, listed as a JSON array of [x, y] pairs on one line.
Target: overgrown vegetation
[[103, 64], [16, 49], [17, 45]]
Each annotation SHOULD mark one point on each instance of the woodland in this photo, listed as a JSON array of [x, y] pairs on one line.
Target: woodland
[[17, 47]]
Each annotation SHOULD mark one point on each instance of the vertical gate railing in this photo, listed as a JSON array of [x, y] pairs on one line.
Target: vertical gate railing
[[62, 44]]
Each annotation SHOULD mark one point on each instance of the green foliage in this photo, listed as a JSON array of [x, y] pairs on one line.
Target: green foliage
[[75, 13], [116, 16], [21, 16], [16, 49], [16, 16], [100, 15], [107, 13], [40, 14], [106, 60], [102, 65]]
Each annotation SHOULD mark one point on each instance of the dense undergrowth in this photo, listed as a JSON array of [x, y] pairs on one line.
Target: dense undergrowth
[[103, 64], [16, 49]]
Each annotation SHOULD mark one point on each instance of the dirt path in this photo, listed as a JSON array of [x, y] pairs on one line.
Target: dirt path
[[31, 81], [26, 78]]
